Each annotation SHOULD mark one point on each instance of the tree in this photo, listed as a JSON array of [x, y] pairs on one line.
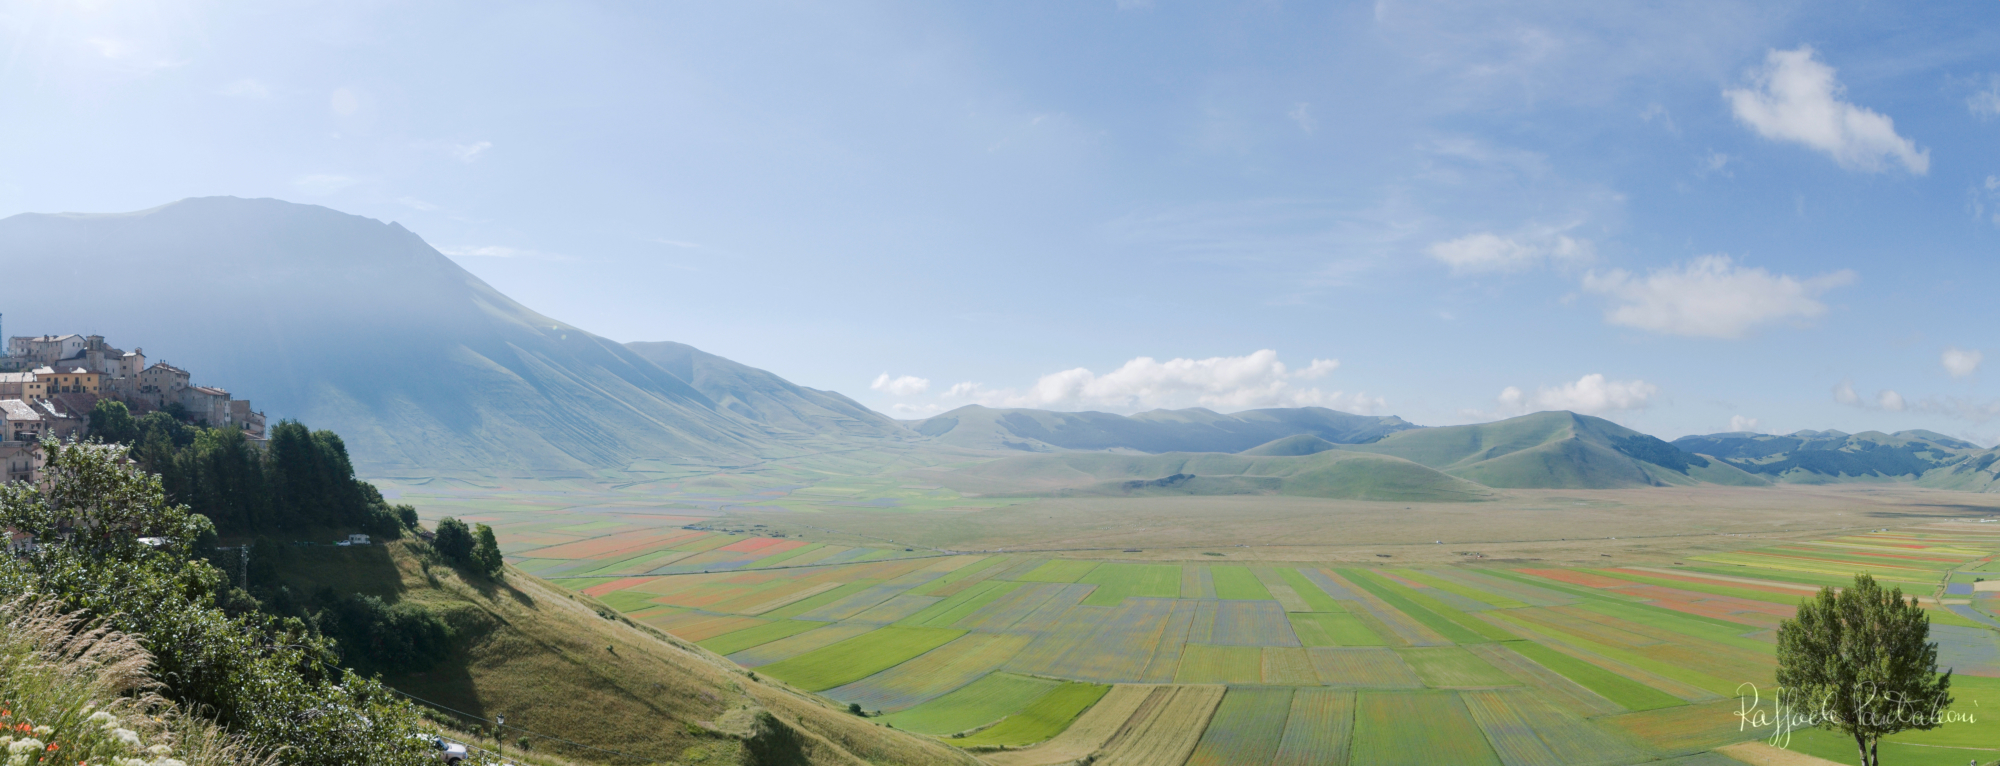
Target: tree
[[486, 554], [112, 422], [266, 678], [1860, 662], [454, 541]]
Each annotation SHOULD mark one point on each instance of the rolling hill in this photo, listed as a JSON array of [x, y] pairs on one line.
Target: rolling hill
[[558, 666], [1555, 450], [1188, 430], [1327, 474], [1824, 457], [357, 325]]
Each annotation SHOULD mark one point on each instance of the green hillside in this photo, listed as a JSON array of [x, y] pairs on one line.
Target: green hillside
[[1302, 444], [1329, 474], [765, 398], [1189, 430], [555, 664], [1825, 457], [1555, 450]]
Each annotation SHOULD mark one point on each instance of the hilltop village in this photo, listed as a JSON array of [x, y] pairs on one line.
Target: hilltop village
[[50, 383]]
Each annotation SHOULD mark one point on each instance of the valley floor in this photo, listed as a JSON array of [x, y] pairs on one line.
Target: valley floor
[[1262, 630]]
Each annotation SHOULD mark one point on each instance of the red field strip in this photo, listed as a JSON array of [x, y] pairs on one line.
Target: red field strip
[[1779, 589], [615, 585], [1572, 577]]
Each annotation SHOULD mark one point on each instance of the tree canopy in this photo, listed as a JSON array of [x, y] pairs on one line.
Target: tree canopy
[[1860, 661]]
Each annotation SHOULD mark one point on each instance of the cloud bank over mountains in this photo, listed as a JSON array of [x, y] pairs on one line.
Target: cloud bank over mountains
[[1711, 297], [1224, 383]]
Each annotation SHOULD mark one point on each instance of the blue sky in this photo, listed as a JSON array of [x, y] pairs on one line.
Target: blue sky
[[1685, 218]]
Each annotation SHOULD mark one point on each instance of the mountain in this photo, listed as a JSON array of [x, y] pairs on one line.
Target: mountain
[[1820, 457], [766, 398], [1189, 430], [359, 326], [1301, 444], [1327, 474], [1555, 450]]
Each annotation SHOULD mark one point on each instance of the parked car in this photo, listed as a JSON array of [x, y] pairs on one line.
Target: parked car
[[448, 752]]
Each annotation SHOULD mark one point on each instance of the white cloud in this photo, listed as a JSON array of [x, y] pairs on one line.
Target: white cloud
[[1489, 252], [1223, 382], [1591, 394], [416, 204], [469, 152], [1986, 103], [1738, 423], [1710, 297], [907, 385], [1301, 113], [246, 88], [322, 183], [1795, 98], [1886, 399], [1715, 163], [1961, 363]]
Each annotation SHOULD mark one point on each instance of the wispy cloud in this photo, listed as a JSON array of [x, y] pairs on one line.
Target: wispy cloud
[[1710, 297], [1489, 252], [469, 152], [416, 204], [1885, 399], [906, 385], [1301, 113], [1795, 98], [1961, 363], [1225, 382], [1592, 394], [1985, 103], [1739, 424]]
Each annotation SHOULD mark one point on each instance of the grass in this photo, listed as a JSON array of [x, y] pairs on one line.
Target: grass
[[1317, 728], [1343, 629], [1204, 664], [1486, 597], [1452, 667], [1058, 570], [797, 608], [731, 643], [1393, 596], [1041, 720], [1310, 592], [858, 657], [1238, 583], [973, 705], [944, 614], [1622, 691], [958, 574], [1117, 582], [1246, 727], [1417, 729]]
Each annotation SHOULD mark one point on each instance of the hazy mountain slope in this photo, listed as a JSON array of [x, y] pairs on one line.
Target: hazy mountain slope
[[1555, 450], [1302, 444], [766, 398], [553, 664], [1817, 457], [1189, 430], [360, 326], [1331, 474]]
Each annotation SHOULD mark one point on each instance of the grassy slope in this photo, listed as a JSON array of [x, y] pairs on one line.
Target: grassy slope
[[548, 660], [1332, 474], [1546, 450]]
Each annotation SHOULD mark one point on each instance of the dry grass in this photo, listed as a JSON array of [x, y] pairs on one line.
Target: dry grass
[[1165, 731], [88, 690], [1087, 735]]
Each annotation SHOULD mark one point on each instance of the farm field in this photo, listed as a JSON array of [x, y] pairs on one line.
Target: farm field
[[1276, 656]]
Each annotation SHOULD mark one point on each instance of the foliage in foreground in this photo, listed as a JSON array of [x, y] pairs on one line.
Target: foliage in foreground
[[83, 696], [1860, 662], [266, 679]]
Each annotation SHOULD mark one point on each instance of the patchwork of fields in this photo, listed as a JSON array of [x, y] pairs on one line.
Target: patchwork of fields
[[1216, 663]]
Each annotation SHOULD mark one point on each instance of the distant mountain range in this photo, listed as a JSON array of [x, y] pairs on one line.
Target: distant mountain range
[[356, 325]]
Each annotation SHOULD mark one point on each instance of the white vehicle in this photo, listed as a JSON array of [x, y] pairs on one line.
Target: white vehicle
[[447, 752]]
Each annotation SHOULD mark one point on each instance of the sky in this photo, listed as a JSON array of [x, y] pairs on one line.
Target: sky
[[1688, 218]]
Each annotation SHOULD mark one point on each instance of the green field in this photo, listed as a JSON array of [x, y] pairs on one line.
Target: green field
[[1046, 717], [1238, 583], [974, 705], [858, 657]]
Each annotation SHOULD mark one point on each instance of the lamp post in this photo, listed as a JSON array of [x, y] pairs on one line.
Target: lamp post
[[501, 733]]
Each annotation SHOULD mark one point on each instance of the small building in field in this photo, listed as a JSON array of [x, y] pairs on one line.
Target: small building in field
[[357, 539]]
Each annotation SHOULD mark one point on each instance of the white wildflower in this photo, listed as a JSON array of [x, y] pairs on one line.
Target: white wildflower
[[129, 737], [101, 717], [160, 751]]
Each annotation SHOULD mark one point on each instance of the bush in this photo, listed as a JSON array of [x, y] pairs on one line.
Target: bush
[[454, 541], [486, 557]]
